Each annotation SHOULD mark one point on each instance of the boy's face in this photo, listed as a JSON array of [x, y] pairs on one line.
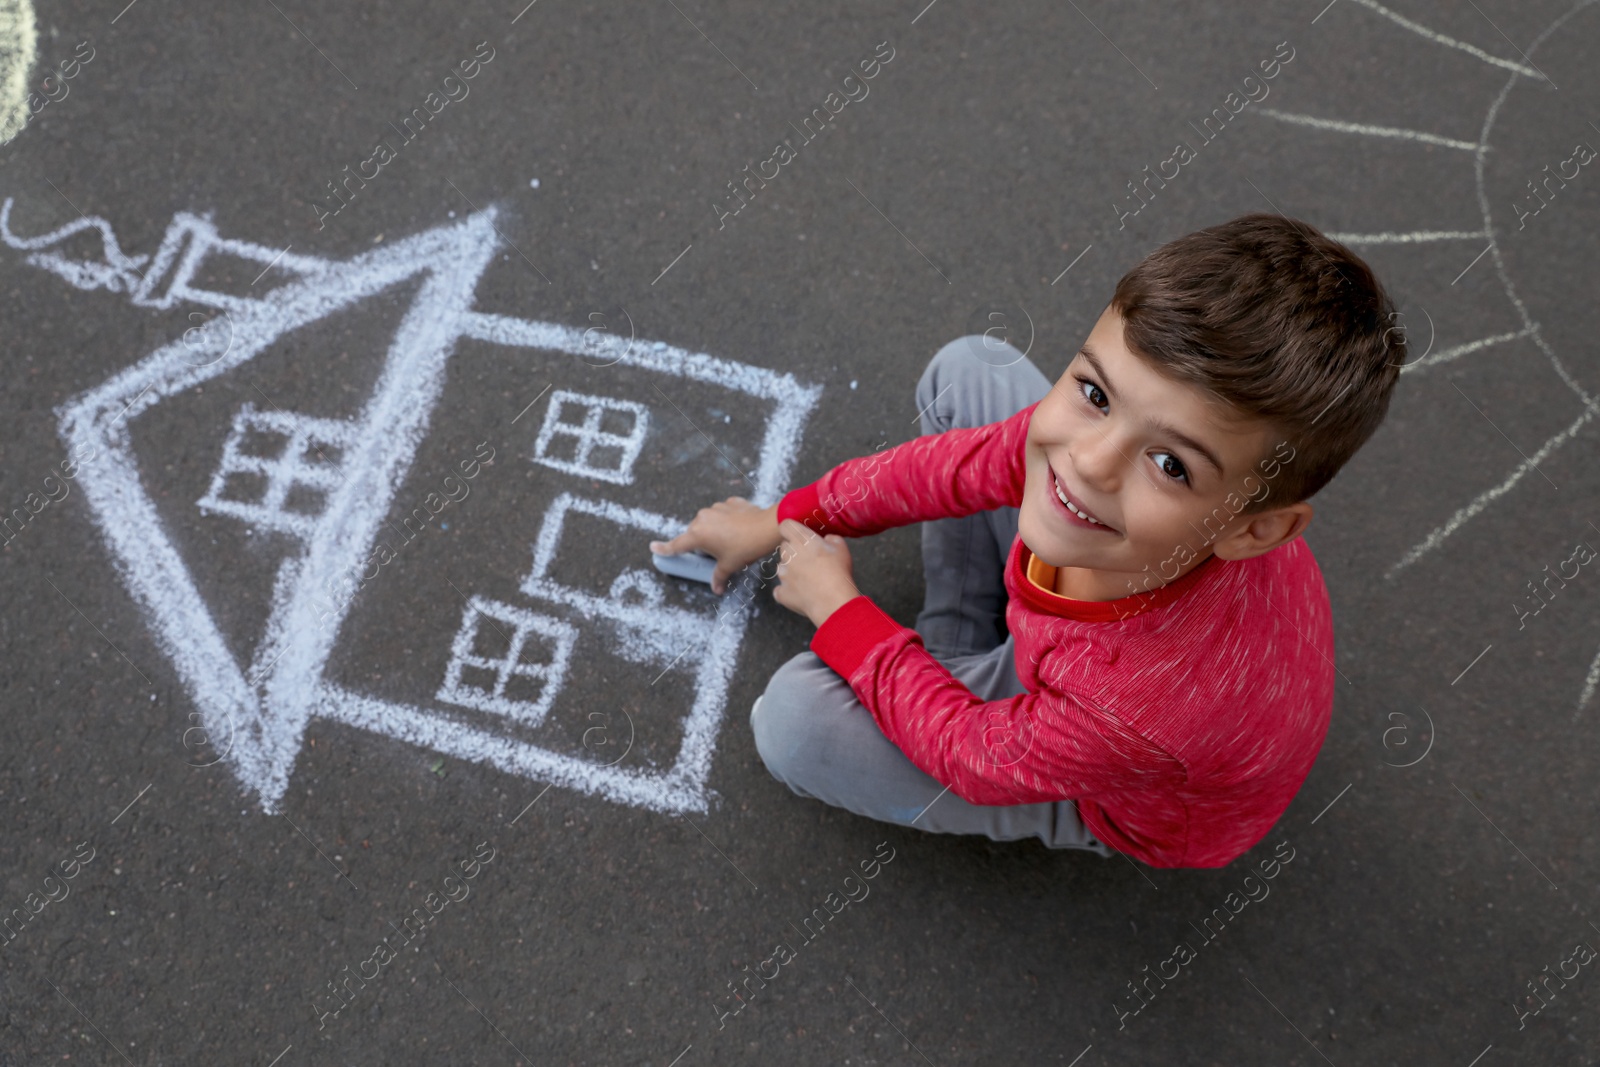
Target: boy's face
[[1149, 457]]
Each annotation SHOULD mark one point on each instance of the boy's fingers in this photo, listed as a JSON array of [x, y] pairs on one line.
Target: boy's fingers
[[796, 534], [675, 546]]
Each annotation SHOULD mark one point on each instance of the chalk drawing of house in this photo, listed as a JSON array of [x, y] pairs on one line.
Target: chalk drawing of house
[[260, 709]]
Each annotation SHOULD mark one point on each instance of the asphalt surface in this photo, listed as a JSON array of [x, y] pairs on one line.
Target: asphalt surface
[[1443, 854]]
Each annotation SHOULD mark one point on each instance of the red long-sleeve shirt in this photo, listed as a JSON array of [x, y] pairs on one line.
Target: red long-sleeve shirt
[[1182, 720]]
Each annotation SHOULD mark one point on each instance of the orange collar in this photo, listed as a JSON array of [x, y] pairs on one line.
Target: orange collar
[[1035, 580]]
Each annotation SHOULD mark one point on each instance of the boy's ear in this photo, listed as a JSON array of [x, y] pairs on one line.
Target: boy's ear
[[1264, 531]]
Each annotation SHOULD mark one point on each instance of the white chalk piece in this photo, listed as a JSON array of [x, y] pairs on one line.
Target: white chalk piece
[[262, 705], [695, 566]]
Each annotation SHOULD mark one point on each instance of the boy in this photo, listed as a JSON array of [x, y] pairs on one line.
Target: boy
[[1125, 643]]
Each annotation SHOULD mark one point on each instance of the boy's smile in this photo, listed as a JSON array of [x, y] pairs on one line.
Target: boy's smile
[[1124, 465], [1073, 510]]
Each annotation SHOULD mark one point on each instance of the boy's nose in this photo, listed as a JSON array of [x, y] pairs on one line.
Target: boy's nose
[[1098, 460]]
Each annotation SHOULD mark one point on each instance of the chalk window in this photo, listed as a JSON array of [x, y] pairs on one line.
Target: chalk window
[[592, 436], [507, 660], [279, 469]]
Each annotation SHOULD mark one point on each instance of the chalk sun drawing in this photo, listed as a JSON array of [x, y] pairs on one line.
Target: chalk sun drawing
[[263, 707], [1523, 72]]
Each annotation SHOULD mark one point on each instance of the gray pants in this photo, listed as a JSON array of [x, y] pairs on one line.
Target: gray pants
[[818, 739]]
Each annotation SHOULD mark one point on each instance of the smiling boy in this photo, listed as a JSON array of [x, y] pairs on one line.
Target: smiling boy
[[1125, 642]]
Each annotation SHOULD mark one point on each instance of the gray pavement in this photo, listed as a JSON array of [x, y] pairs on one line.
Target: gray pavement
[[530, 332]]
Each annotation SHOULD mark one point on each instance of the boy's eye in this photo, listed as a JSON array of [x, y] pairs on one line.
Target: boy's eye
[[1171, 466], [1093, 394]]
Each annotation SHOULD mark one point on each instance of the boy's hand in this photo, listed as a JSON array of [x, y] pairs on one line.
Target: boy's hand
[[734, 531], [814, 572]]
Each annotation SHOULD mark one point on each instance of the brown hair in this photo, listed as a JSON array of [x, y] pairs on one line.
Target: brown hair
[[1281, 322]]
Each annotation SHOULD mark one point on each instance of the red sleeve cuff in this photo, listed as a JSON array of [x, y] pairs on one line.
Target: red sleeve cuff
[[845, 637], [804, 505]]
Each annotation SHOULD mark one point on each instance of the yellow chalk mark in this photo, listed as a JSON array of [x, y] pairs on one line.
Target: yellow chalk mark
[[19, 37]]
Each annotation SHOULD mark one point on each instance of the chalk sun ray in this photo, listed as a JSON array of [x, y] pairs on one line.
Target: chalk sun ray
[[1450, 42], [1411, 238], [1366, 130], [1590, 683], [1488, 496], [1464, 349]]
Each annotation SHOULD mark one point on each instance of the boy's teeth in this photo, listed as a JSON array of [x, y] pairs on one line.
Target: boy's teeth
[[1061, 496]]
